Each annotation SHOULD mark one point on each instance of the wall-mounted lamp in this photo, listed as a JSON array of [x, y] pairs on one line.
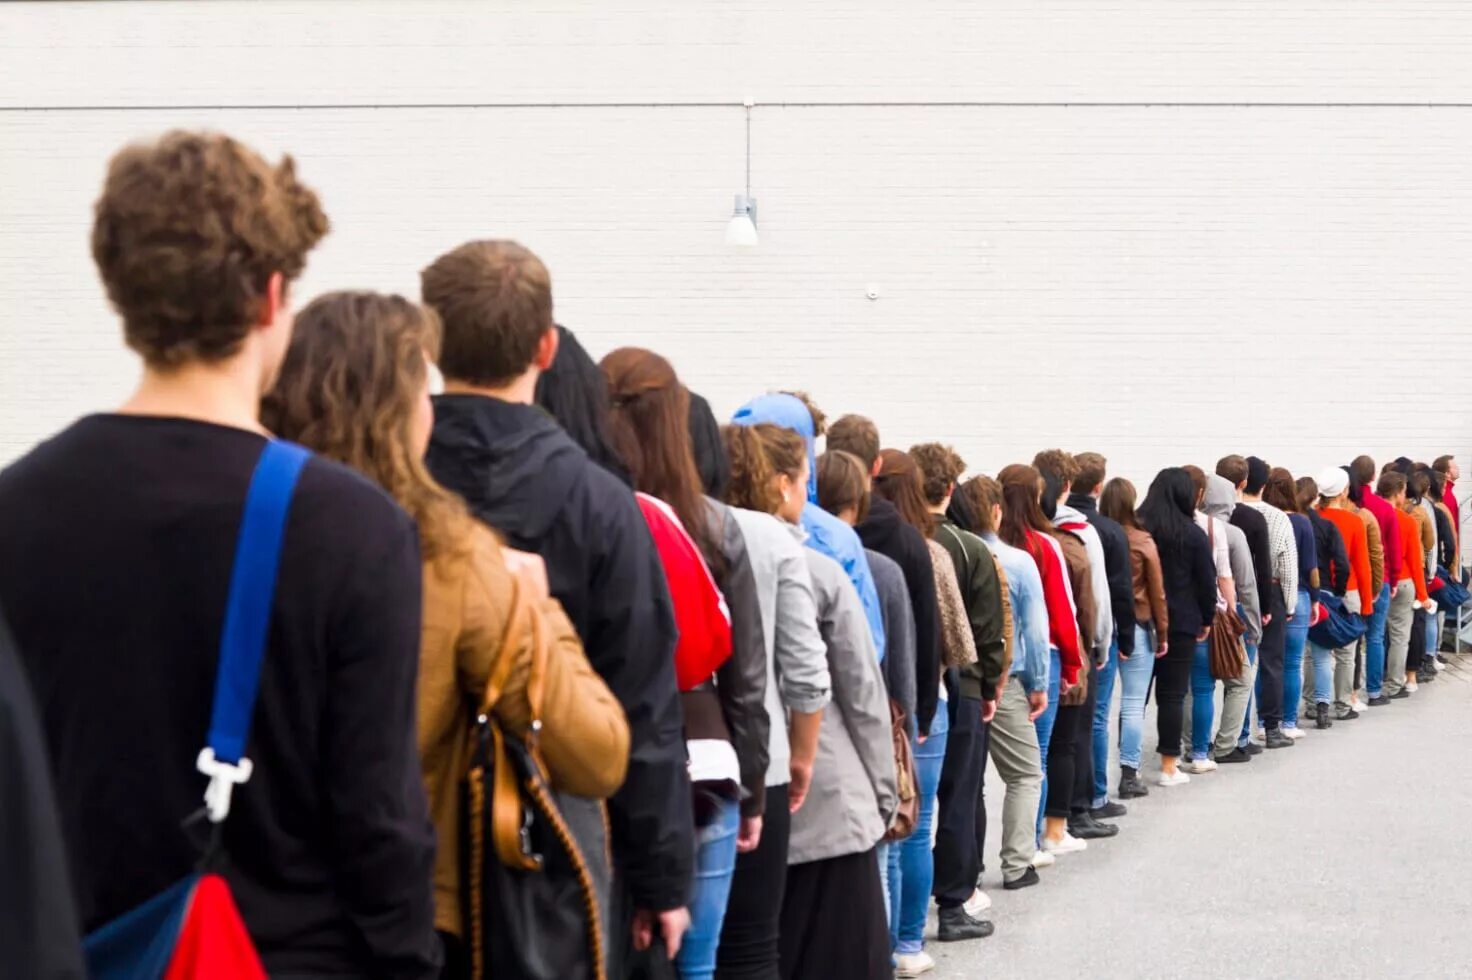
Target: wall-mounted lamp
[[741, 229]]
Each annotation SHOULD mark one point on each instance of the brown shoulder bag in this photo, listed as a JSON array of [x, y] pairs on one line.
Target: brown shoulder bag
[[1227, 654], [907, 814]]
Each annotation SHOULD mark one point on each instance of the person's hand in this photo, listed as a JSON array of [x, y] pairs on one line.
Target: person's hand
[[988, 711], [1267, 618], [1164, 648], [530, 570], [800, 778], [1205, 632], [920, 739], [671, 924], [750, 834], [1037, 704]]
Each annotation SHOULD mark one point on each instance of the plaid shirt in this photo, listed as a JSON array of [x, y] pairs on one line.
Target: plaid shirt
[[1285, 552]]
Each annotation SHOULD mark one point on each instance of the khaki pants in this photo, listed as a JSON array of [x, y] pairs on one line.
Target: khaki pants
[[1235, 697], [1014, 751], [1402, 608]]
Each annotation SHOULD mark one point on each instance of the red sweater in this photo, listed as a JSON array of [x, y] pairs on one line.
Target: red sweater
[[1357, 546], [1450, 499], [1389, 534], [1413, 564], [1062, 617]]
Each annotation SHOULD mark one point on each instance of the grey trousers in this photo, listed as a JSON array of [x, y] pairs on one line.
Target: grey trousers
[[1014, 751], [1235, 696], [1344, 677], [1402, 608]]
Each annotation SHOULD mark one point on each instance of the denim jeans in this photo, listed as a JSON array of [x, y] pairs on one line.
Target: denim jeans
[[1105, 699], [1134, 687], [1293, 646], [715, 863], [911, 866], [1323, 658], [1375, 644], [1044, 725], [1203, 704]]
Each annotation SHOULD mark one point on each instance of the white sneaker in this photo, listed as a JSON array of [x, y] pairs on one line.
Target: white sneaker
[[1200, 765], [1412, 686], [1294, 733], [1043, 859], [1067, 844], [908, 965], [1177, 778], [978, 903]]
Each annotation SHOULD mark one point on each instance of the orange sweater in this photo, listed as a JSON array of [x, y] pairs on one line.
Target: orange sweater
[[1413, 561], [1357, 546]]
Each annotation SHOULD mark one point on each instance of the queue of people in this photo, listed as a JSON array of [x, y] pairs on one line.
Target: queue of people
[[562, 677]]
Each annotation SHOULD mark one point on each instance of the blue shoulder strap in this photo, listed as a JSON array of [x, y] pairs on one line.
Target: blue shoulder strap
[[248, 619]]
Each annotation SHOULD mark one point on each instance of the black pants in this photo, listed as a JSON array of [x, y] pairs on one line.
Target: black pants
[[1063, 759], [749, 949], [986, 744], [1172, 682], [1270, 660], [833, 922], [1083, 762], [1417, 650], [957, 860]]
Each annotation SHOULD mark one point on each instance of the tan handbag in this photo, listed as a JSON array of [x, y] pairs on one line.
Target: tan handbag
[[907, 814], [1227, 654]]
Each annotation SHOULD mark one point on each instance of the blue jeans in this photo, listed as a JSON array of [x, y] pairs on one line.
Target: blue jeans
[[715, 863], [1044, 725], [1203, 705], [1375, 645], [1294, 642], [911, 867], [1105, 696], [1323, 659], [1134, 687], [1247, 718]]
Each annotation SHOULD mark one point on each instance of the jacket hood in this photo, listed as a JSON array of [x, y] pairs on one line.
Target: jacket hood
[[512, 463], [1221, 497], [1068, 515], [789, 413]]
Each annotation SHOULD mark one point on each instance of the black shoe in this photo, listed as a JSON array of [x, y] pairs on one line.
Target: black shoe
[[1085, 827], [1379, 701], [1426, 676], [1348, 714], [1027, 879], [1400, 695], [1252, 748], [1109, 811], [956, 925], [1236, 755], [1131, 786], [1322, 721], [1428, 668], [1277, 740]]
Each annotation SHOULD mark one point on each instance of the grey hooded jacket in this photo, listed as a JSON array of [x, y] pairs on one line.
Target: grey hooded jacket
[[1221, 497]]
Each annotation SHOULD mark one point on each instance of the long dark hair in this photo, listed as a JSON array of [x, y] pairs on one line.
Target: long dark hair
[[1117, 503], [710, 453], [1020, 509], [650, 430], [1356, 486], [899, 482], [1168, 511], [1280, 491], [575, 393]]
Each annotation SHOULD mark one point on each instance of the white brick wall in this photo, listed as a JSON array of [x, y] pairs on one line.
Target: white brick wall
[[1162, 283]]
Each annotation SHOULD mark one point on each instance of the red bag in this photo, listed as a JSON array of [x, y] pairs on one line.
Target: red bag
[[701, 615]]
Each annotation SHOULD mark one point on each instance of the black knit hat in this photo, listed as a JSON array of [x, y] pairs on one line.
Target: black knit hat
[[1257, 475]]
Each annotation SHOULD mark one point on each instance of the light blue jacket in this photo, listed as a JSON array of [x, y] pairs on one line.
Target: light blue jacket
[[826, 534], [1029, 614]]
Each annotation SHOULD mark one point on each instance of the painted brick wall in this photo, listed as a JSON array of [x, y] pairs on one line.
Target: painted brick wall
[[1285, 274]]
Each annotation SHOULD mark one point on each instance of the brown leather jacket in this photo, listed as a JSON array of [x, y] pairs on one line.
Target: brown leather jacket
[[468, 602]]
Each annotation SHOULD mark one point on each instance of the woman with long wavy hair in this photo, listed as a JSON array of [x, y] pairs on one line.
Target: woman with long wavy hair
[[1024, 526], [354, 387], [1189, 575]]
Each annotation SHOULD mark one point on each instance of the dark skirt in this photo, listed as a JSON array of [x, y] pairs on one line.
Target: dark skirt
[[833, 922]]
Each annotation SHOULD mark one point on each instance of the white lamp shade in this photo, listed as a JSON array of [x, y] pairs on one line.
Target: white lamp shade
[[741, 229]]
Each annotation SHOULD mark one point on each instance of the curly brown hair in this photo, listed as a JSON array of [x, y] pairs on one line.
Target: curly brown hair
[[187, 234], [940, 468], [495, 300], [758, 453], [347, 390], [1057, 464]]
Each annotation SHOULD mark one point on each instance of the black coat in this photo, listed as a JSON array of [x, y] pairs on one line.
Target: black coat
[[1333, 556], [1190, 583], [1255, 528], [1116, 567], [522, 475], [885, 532]]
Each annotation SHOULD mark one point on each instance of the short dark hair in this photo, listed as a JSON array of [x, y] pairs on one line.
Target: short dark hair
[[843, 481], [1363, 470], [1091, 470], [1390, 484], [495, 300], [1257, 474], [187, 234], [1056, 466], [1198, 479], [857, 435], [1233, 469], [1443, 464], [940, 468]]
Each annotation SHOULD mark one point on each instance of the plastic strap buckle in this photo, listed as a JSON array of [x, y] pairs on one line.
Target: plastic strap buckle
[[224, 777]]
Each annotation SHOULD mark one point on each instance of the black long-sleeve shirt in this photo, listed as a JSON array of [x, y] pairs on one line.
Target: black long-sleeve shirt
[[883, 531], [117, 540], [1333, 556], [1190, 583], [1255, 528], [1116, 567]]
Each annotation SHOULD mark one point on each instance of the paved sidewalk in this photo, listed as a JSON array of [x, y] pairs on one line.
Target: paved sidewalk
[[1346, 856]]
